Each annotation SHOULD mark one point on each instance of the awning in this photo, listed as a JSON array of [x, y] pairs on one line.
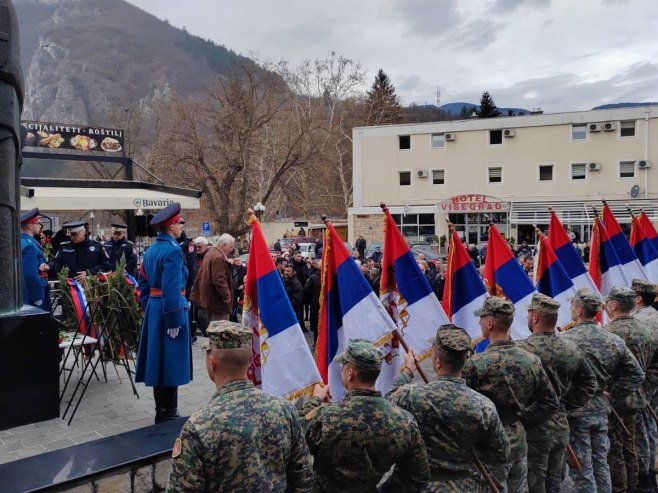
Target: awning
[[58, 194]]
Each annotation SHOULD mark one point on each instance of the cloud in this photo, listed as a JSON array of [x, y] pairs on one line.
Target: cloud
[[477, 34], [428, 17], [507, 6]]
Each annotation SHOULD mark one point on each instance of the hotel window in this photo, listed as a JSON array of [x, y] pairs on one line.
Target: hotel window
[[495, 175], [438, 141], [405, 142], [405, 178], [626, 169], [416, 227], [578, 171], [438, 177], [495, 137], [627, 128], [545, 172], [579, 131]]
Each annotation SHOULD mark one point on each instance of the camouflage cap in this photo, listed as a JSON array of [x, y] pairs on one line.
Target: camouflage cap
[[622, 294], [495, 306], [363, 354], [223, 334], [452, 338], [642, 286], [542, 303], [588, 299]]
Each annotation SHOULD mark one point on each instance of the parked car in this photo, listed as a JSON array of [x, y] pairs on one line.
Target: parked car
[[349, 246], [371, 248], [307, 249]]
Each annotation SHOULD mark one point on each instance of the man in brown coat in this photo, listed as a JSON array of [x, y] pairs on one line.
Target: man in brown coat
[[213, 288]]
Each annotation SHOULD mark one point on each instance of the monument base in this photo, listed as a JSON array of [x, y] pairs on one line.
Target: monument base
[[29, 367]]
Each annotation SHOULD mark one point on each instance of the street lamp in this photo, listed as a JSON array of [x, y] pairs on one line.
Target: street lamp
[[258, 210], [92, 216]]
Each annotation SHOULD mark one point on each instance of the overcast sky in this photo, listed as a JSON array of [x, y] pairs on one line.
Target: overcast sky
[[562, 55]]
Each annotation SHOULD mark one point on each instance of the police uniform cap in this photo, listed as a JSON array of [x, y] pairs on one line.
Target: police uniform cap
[[452, 338], [588, 299], [495, 307], [621, 294], [642, 286], [29, 215], [119, 227], [165, 214], [542, 303], [74, 226], [223, 334], [362, 354]]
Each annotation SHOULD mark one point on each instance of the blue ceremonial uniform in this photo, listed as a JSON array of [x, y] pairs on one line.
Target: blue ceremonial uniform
[[115, 249], [87, 255], [161, 360], [35, 287]]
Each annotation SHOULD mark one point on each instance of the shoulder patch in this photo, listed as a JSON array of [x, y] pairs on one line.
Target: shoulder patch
[[178, 448], [311, 413]]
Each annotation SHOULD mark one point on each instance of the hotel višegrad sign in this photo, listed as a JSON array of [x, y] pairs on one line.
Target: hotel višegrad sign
[[473, 203]]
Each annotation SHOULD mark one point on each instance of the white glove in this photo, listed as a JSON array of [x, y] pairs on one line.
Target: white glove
[[173, 333], [38, 302]]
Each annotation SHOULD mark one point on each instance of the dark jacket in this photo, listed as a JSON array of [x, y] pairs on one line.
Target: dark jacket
[[312, 289], [87, 255], [295, 292], [301, 270], [115, 249], [213, 288], [238, 273]]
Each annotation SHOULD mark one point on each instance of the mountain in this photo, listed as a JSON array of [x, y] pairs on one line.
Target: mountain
[[455, 109], [622, 105], [88, 61]]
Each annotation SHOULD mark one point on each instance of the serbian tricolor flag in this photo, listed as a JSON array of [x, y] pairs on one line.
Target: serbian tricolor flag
[[644, 248], [631, 265], [349, 310], [553, 280], [649, 229], [568, 256], [81, 308], [283, 364], [464, 291], [504, 277], [406, 294], [604, 265]]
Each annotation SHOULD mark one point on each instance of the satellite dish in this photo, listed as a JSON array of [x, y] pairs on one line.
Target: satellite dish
[[635, 191]]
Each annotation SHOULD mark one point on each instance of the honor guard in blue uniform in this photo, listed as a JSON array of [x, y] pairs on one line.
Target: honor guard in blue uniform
[[119, 245], [36, 291], [80, 254], [164, 357]]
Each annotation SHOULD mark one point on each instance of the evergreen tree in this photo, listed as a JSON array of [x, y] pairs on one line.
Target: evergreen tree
[[383, 104], [488, 108]]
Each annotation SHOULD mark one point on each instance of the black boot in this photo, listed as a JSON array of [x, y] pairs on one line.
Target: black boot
[[169, 404], [159, 404], [652, 478]]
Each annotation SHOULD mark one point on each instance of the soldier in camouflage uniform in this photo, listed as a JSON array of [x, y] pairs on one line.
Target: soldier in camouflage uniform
[[574, 384], [357, 440], [469, 421], [623, 458], [645, 292], [243, 439], [516, 383], [615, 368]]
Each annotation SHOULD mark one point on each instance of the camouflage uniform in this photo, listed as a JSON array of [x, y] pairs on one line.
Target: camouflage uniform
[[615, 368], [623, 458], [243, 439], [469, 422], [357, 440], [646, 449], [519, 387], [574, 384]]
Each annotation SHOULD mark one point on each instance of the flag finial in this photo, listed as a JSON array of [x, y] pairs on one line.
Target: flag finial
[[383, 206], [325, 219], [605, 202]]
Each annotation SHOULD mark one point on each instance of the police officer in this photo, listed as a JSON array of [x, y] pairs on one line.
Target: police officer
[[164, 356], [80, 254], [514, 380], [468, 420], [356, 441], [243, 439], [574, 383], [616, 369], [119, 245], [36, 291]]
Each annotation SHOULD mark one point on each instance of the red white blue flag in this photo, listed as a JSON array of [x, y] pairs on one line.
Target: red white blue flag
[[349, 310], [649, 229], [644, 248], [283, 364], [604, 265], [631, 265]]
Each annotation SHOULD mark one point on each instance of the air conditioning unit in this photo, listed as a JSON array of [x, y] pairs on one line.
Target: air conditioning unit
[[609, 126], [644, 164], [508, 132], [595, 127], [422, 173], [594, 166], [449, 136]]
